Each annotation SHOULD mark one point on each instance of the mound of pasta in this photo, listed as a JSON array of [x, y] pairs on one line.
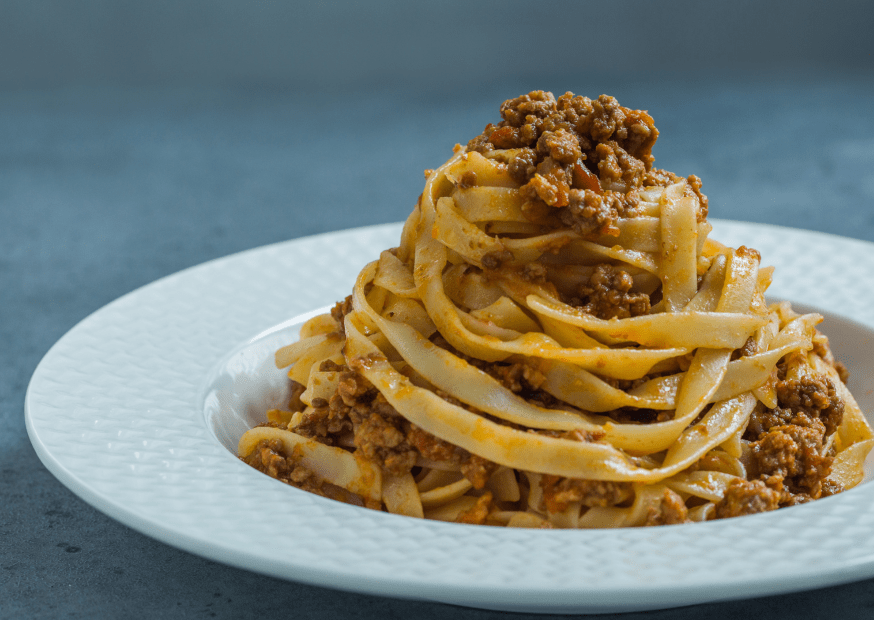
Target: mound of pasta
[[556, 342]]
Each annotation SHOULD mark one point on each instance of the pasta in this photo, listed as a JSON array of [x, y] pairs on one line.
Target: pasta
[[557, 342]]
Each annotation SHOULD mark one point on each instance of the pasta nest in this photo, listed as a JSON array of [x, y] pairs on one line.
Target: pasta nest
[[639, 418]]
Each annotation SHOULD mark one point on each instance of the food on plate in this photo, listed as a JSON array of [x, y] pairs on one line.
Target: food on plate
[[557, 342]]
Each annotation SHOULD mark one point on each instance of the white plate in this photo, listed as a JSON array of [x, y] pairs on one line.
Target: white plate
[[136, 410]]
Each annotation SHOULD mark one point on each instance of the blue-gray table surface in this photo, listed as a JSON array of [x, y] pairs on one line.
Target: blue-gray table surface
[[105, 190]]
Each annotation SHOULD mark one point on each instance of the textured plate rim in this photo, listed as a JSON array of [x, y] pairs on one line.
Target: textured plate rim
[[629, 594]]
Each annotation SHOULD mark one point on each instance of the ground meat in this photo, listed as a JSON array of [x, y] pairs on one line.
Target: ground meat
[[695, 185], [523, 166], [324, 423], [478, 470], [795, 454], [746, 252], [747, 497], [339, 312], [381, 439], [521, 376], [573, 144], [607, 294], [814, 396], [332, 366], [378, 430], [670, 511], [294, 402], [431, 447], [593, 211], [528, 108], [589, 212], [829, 487], [559, 492], [617, 166], [762, 420], [534, 272], [357, 411], [810, 401], [514, 375], [480, 144], [267, 457], [478, 513], [750, 348], [550, 184], [353, 389], [561, 145], [494, 260], [468, 179]]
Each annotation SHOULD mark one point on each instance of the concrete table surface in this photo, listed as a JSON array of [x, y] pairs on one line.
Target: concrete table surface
[[105, 190]]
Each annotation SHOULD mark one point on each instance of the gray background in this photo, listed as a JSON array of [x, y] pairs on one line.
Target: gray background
[[140, 138]]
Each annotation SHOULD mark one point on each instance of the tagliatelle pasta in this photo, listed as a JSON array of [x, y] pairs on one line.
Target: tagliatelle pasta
[[557, 342]]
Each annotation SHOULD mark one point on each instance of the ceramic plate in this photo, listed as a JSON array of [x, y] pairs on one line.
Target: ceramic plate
[[139, 407]]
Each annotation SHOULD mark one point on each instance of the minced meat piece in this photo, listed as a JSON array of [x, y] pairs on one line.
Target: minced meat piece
[[339, 312], [519, 376], [478, 470], [378, 430], [468, 179], [559, 492], [671, 510], [534, 272], [814, 396], [477, 513], [617, 166], [494, 260], [633, 130], [537, 104], [762, 420], [332, 366], [588, 212], [294, 402], [324, 422], [607, 294], [810, 402], [267, 457], [523, 165], [561, 145], [750, 348], [593, 211], [830, 487], [794, 453], [550, 184], [354, 389], [480, 144], [747, 497], [431, 447], [574, 143], [382, 440]]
